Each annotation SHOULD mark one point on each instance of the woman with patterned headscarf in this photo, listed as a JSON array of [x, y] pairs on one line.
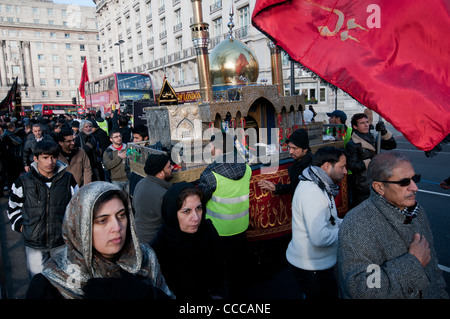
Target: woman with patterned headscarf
[[102, 258]]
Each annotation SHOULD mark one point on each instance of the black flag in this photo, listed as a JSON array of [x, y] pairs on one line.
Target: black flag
[[6, 104]]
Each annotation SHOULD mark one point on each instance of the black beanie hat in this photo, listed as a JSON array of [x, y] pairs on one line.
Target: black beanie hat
[[299, 138], [155, 163]]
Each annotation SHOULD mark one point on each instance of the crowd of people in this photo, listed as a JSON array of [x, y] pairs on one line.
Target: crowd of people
[[92, 228]]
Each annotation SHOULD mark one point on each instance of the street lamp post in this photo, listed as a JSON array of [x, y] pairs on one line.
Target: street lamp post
[[120, 54]]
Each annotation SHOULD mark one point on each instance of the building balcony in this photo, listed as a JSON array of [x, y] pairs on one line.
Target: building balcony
[[241, 32], [178, 27], [215, 6]]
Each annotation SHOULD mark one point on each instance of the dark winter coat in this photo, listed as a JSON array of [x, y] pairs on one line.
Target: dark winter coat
[[359, 152], [374, 259]]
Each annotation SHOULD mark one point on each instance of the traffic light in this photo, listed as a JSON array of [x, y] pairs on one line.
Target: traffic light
[[74, 100]]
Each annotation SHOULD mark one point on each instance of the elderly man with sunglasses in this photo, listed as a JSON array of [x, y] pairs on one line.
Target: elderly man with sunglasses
[[385, 248]]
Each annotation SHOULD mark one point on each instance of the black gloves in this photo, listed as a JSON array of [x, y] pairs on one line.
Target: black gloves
[[381, 128]]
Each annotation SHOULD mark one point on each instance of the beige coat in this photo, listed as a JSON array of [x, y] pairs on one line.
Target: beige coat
[[79, 166]]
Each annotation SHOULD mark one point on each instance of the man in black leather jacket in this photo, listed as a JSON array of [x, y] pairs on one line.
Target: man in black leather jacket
[[359, 151]]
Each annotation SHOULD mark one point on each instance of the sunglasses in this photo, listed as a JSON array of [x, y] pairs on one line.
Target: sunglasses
[[405, 182]]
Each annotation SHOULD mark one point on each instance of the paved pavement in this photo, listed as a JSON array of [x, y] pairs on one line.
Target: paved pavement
[[14, 277]]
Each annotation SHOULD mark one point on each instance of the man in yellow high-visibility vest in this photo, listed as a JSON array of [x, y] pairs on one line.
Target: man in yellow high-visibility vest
[[226, 187]]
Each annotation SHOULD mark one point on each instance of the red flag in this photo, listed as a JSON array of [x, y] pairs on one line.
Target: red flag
[[391, 56], [84, 78]]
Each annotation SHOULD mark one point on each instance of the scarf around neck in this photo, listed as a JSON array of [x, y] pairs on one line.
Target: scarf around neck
[[318, 176]]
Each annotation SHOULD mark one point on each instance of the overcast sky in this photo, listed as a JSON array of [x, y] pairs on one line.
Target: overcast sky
[[88, 3]]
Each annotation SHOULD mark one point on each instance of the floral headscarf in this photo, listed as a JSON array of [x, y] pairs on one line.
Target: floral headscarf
[[70, 270]]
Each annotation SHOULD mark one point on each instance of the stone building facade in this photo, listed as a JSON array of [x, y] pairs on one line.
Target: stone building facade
[[44, 45]]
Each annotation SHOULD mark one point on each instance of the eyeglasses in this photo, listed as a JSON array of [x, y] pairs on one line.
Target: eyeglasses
[[406, 181]]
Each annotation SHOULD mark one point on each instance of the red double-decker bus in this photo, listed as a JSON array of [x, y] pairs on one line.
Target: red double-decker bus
[[50, 109], [118, 91]]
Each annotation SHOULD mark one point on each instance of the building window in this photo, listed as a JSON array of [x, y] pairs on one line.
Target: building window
[[42, 70], [44, 93], [52, 35], [322, 94], [59, 93], [16, 69], [35, 10], [43, 82], [181, 74], [217, 27], [55, 58], [54, 46], [50, 12], [179, 43], [56, 70], [83, 58], [244, 16], [40, 57], [81, 47], [57, 82], [67, 36], [69, 58]]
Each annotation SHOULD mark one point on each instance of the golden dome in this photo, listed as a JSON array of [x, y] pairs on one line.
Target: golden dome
[[233, 63]]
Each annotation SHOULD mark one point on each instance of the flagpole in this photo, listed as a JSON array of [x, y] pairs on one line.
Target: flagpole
[[380, 120]]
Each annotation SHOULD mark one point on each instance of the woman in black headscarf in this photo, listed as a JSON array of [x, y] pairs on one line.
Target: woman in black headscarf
[[187, 245]]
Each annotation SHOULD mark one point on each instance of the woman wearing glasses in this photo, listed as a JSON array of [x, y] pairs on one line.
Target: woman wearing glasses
[[386, 246]]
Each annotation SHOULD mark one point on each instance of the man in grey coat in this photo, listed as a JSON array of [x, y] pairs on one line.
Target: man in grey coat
[[148, 196], [385, 248]]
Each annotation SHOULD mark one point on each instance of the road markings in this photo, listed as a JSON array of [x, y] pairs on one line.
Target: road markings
[[444, 268], [407, 150], [435, 193]]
